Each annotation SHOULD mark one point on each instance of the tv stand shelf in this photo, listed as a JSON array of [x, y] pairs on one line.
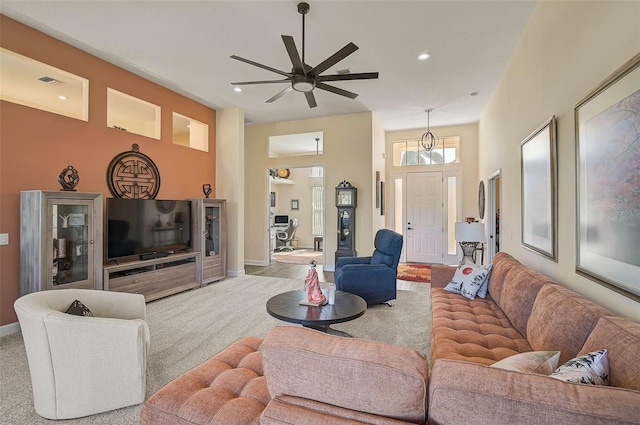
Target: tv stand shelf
[[154, 278]]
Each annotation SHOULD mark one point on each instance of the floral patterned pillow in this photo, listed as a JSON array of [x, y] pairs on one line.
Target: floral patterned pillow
[[592, 368], [467, 280]]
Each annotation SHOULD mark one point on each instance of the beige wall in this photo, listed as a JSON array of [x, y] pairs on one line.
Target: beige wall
[[347, 156], [567, 49], [468, 134], [379, 164], [231, 186]]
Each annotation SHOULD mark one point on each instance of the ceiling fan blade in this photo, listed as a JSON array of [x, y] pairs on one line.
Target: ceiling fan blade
[[334, 59], [245, 83], [336, 90], [343, 77], [290, 45], [259, 65], [311, 99], [279, 95]]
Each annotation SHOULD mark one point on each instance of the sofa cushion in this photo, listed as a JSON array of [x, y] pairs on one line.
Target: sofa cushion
[[502, 264], [506, 397], [591, 368], [621, 337], [519, 291], [472, 330], [562, 320], [346, 373], [541, 362], [226, 389], [287, 410]]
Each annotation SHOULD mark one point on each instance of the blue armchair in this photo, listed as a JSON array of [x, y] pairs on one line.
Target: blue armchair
[[372, 278]]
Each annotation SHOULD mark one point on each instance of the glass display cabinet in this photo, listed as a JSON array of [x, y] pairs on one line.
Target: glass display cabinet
[[60, 240], [210, 238]]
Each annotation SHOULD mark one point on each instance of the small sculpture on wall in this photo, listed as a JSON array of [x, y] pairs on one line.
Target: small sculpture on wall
[[206, 189], [69, 178]]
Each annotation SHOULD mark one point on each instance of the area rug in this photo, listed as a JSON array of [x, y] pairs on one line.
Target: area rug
[[298, 256], [415, 272]]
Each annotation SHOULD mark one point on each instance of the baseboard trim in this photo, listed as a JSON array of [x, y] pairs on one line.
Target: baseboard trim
[[235, 273], [9, 329], [256, 263]]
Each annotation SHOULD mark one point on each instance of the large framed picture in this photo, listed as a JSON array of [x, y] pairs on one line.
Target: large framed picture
[[539, 190], [608, 181]]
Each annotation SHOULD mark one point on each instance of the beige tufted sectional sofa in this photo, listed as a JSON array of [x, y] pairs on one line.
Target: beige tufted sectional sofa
[[300, 376]]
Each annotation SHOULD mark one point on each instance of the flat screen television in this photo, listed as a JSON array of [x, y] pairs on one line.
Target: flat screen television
[[147, 227]]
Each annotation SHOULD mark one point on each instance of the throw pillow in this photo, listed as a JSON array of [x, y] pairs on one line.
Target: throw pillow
[[542, 362], [482, 292], [592, 368], [467, 280], [78, 309]]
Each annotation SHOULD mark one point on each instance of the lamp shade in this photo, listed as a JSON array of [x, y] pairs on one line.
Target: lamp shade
[[469, 232]]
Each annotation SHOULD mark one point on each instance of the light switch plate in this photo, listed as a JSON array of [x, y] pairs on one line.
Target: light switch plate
[[4, 239]]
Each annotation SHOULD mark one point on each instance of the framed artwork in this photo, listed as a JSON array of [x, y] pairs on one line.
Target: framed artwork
[[377, 189], [381, 198], [272, 199], [539, 190], [607, 175], [295, 204]]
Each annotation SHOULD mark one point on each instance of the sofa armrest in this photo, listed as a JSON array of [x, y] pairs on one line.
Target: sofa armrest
[[346, 373], [473, 394], [441, 275], [342, 261]]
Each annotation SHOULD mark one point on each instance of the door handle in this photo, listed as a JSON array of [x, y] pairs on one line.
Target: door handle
[[409, 228]]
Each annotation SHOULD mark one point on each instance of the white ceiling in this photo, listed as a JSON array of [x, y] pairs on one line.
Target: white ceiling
[[185, 46]]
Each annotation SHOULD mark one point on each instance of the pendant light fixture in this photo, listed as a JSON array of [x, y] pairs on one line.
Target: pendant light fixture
[[428, 140]]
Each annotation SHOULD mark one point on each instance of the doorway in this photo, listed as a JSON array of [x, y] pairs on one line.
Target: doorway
[[296, 193], [493, 212], [424, 209]]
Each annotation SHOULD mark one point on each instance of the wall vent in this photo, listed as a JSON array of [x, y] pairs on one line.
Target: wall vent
[[50, 80]]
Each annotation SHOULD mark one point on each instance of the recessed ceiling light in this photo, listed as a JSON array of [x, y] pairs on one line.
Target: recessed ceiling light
[[61, 97], [423, 56], [237, 89]]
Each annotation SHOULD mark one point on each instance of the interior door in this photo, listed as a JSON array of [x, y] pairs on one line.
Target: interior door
[[424, 207]]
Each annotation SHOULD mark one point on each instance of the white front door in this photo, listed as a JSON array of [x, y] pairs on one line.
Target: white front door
[[424, 228]]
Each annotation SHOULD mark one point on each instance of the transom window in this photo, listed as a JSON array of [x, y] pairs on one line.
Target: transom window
[[410, 152]]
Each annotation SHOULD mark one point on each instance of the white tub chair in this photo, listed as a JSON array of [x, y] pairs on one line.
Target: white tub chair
[[81, 366]]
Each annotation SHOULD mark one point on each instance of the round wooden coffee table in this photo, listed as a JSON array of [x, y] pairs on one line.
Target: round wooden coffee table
[[286, 307]]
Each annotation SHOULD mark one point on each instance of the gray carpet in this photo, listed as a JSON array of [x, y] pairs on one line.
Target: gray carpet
[[188, 328]]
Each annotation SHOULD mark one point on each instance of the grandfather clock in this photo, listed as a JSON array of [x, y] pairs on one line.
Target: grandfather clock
[[346, 196]]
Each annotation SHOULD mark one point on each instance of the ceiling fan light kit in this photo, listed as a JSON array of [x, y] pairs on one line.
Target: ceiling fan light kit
[[304, 78]]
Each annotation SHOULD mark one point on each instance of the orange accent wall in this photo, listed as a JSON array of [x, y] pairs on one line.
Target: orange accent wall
[[36, 145]]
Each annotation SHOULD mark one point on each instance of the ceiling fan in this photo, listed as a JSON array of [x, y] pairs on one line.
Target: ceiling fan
[[304, 78]]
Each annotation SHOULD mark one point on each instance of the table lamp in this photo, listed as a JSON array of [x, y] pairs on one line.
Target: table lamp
[[469, 235]]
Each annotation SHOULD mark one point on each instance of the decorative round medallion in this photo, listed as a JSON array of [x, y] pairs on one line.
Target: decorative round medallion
[[133, 175], [284, 173], [481, 199]]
